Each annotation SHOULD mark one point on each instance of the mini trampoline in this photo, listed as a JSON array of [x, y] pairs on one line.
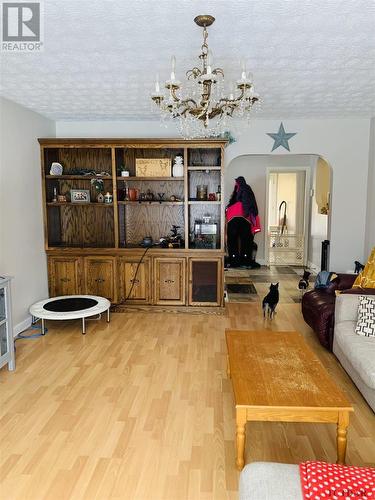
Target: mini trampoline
[[70, 307]]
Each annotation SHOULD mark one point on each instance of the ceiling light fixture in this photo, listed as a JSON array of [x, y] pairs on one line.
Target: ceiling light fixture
[[201, 107]]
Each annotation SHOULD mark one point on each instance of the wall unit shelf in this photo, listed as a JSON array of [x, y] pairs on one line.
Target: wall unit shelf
[[80, 205], [86, 246], [203, 169], [79, 177], [145, 202], [138, 179], [203, 202]]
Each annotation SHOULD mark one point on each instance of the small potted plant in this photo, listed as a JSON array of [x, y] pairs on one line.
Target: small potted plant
[[124, 171]]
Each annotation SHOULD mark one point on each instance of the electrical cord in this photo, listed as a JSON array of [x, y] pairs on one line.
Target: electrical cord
[[20, 336], [135, 275]]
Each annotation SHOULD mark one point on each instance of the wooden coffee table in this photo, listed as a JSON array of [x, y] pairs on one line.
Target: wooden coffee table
[[276, 377]]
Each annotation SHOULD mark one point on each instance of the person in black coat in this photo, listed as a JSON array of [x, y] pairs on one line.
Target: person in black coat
[[241, 212]]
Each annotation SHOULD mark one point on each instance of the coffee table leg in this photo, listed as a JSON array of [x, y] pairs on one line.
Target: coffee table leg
[[108, 316], [240, 437], [83, 326], [342, 428], [43, 327]]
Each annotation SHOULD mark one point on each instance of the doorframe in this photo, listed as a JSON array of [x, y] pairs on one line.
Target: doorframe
[[306, 222]]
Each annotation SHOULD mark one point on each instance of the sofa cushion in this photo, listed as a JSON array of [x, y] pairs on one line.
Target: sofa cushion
[[358, 349], [358, 291], [366, 317], [366, 278], [270, 481]]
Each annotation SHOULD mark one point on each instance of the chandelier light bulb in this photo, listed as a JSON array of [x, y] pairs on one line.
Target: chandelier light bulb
[[243, 70], [210, 62], [157, 84], [231, 91], [173, 72]]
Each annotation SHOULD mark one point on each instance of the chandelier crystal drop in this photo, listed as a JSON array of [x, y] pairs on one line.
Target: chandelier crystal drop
[[200, 106]]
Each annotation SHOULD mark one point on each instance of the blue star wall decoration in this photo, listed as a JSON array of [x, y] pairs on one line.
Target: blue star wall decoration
[[281, 138]]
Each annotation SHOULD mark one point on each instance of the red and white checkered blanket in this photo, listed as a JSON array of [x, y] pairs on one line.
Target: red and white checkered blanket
[[320, 481]]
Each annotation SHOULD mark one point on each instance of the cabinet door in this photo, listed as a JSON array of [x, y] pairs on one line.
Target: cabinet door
[[64, 276], [205, 282], [134, 280], [169, 281], [100, 275]]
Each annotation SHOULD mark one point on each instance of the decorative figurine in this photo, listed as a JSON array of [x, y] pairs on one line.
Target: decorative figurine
[[108, 198], [149, 195]]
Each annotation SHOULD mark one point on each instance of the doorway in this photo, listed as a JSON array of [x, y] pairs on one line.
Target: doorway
[[287, 215]]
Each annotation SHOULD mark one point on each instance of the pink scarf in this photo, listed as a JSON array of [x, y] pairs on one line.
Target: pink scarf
[[236, 210]]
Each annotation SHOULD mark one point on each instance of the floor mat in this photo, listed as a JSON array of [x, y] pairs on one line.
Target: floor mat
[[247, 288], [241, 292]]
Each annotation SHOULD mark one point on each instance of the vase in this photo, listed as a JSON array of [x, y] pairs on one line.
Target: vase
[[178, 167]]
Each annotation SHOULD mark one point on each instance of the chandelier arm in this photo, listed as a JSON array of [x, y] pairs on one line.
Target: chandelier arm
[[242, 95], [186, 101], [218, 71], [173, 94], [221, 107], [194, 72], [215, 112]]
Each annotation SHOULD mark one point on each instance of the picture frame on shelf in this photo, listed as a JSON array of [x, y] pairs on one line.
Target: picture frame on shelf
[[80, 195]]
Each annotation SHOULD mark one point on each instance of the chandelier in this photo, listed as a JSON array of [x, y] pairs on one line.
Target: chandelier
[[200, 106]]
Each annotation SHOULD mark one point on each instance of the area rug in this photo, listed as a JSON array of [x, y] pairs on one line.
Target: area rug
[[241, 292]]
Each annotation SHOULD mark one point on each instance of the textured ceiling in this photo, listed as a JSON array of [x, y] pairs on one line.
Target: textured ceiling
[[310, 58]]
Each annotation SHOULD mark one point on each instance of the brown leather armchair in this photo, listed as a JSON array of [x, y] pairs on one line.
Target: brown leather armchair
[[318, 308]]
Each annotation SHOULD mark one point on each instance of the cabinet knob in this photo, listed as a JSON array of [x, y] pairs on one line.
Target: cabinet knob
[[168, 281], [100, 280], [135, 281]]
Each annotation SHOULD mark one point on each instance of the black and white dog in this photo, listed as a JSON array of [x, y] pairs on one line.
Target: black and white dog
[[270, 301], [304, 281]]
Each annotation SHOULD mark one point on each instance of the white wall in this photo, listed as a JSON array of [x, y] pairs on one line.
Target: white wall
[[21, 224], [370, 216], [318, 226], [344, 143]]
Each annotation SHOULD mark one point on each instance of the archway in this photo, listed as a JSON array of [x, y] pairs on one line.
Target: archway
[[255, 168]]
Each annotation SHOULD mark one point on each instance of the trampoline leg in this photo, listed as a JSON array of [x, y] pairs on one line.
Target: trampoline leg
[[83, 326], [108, 316], [43, 327]]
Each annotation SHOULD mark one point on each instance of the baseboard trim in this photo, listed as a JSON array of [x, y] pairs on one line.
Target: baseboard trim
[[21, 327]]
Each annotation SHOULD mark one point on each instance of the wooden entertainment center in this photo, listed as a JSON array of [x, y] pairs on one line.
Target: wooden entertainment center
[[96, 247]]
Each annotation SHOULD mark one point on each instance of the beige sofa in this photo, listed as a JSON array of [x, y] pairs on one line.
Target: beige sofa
[[356, 353]]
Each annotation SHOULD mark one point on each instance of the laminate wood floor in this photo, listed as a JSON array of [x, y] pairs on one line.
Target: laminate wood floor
[[142, 409]]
